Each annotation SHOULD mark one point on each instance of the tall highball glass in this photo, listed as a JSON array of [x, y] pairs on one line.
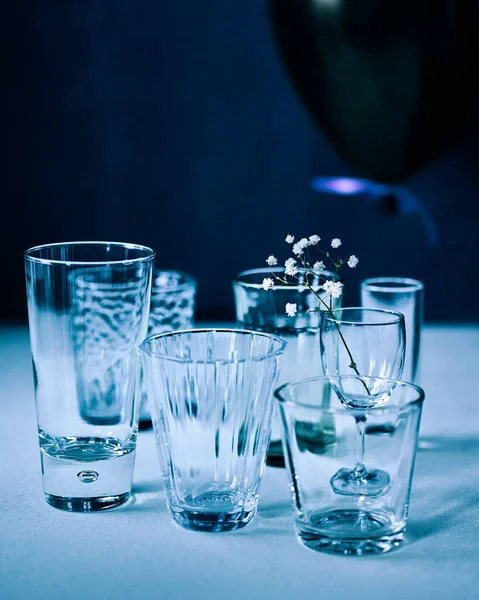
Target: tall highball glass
[[406, 296], [88, 306]]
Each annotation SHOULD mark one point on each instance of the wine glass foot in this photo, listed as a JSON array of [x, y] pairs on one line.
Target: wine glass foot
[[347, 483]]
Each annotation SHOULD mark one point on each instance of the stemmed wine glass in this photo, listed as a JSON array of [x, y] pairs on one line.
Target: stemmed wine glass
[[370, 343]]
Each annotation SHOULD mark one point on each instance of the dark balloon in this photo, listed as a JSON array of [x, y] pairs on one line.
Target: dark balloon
[[392, 83]]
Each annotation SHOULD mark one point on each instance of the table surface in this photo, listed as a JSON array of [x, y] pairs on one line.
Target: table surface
[[137, 551]]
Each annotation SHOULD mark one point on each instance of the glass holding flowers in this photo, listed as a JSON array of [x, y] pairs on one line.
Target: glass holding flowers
[[368, 343], [264, 310]]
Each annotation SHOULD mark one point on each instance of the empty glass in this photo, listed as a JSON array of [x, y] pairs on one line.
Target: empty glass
[[319, 435], [262, 310], [369, 343], [172, 307], [406, 296], [211, 400], [88, 305]]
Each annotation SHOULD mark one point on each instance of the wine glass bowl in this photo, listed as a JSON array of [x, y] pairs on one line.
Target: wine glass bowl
[[369, 338], [363, 393]]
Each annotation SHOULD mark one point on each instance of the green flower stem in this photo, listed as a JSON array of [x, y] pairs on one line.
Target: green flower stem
[[329, 308], [352, 364]]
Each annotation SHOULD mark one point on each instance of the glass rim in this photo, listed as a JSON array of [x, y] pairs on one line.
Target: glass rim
[[188, 281], [398, 317], [418, 400], [147, 341], [149, 254], [278, 269], [410, 285]]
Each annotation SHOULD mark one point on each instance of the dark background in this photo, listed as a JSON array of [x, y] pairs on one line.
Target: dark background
[[174, 125]]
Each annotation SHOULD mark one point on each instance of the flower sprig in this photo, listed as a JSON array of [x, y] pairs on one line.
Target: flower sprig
[[301, 249], [301, 263]]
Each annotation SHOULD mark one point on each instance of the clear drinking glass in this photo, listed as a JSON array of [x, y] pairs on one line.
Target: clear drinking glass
[[88, 305], [406, 296], [348, 524], [211, 398], [368, 343], [262, 310], [172, 307]]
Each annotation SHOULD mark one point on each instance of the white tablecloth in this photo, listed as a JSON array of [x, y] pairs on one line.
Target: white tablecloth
[[137, 551]]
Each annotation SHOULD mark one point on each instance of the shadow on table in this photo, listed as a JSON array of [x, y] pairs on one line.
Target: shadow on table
[[272, 510], [147, 496], [445, 485], [449, 445], [272, 518]]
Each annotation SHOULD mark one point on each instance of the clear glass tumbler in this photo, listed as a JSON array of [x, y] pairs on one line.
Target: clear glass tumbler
[[262, 310], [320, 436], [88, 306], [407, 297], [172, 307], [211, 397]]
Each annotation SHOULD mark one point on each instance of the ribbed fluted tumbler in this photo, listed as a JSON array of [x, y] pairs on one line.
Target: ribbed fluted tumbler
[[210, 393]]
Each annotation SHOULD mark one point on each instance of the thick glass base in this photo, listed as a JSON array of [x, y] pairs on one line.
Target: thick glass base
[[351, 532], [214, 511], [86, 504], [213, 522], [347, 483], [86, 474]]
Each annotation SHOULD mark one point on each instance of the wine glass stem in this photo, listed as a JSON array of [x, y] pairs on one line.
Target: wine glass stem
[[360, 470]]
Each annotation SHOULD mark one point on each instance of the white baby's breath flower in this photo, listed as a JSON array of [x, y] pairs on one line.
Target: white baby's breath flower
[[290, 262], [289, 238], [291, 309], [334, 288], [318, 267], [272, 260], [290, 267], [335, 243], [267, 284], [314, 239], [353, 261], [298, 249], [300, 246]]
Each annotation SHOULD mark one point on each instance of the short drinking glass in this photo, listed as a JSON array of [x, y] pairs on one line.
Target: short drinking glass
[[348, 524], [88, 305], [211, 398]]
